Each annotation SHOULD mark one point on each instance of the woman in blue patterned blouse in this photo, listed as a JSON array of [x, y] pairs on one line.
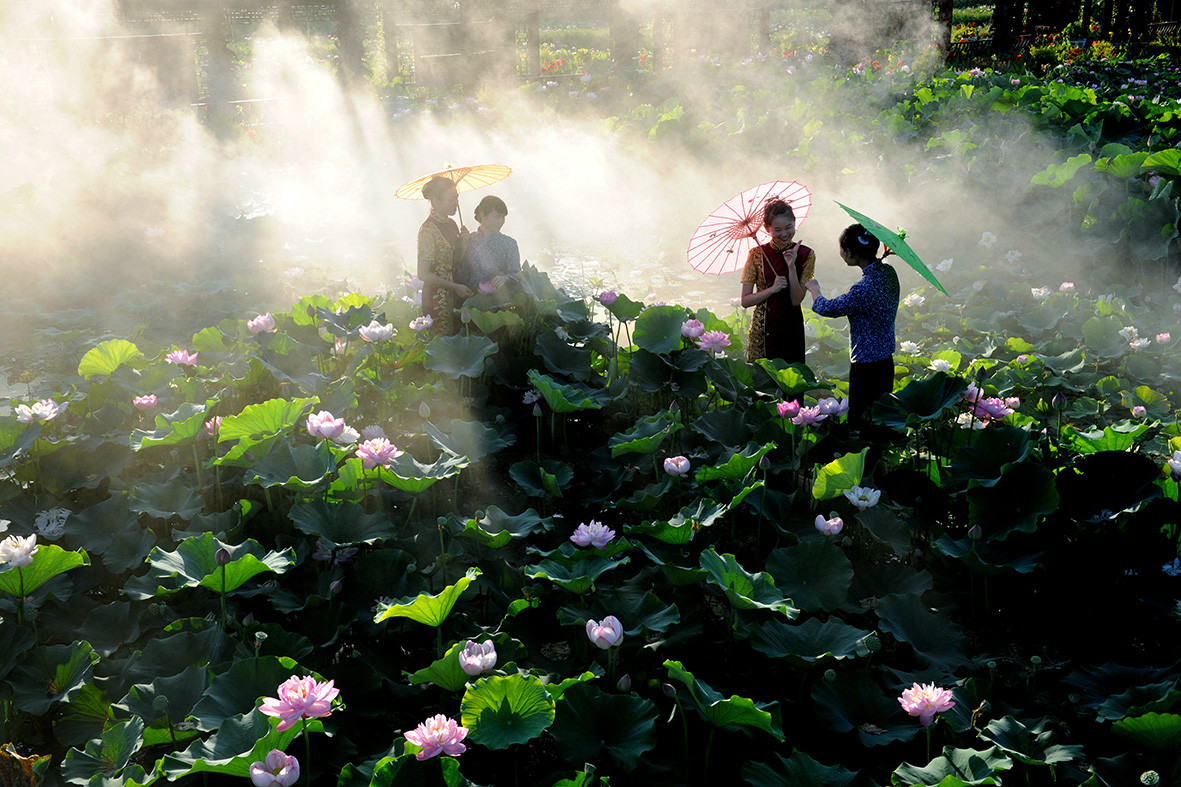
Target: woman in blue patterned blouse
[[492, 257], [871, 305]]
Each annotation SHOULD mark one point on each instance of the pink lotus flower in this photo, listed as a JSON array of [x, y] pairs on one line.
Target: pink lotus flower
[[438, 735], [1162, 338], [181, 358], [375, 431], [17, 552], [1066, 286], [993, 407], [595, 534], [477, 658], [145, 402], [1022, 359], [676, 465], [1175, 465], [378, 451], [261, 324], [788, 409], [807, 416], [863, 497], [422, 323], [692, 329], [1139, 411], [213, 426], [376, 332], [277, 769], [414, 283], [487, 288], [608, 297], [829, 527], [44, 410], [713, 341], [324, 425], [972, 394], [300, 698], [925, 701], [977, 286], [830, 405], [606, 634], [339, 347]]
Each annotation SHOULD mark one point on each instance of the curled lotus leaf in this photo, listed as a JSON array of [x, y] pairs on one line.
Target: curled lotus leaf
[[50, 674], [722, 711], [955, 768], [744, 589], [1029, 745], [108, 758], [426, 609], [194, 563], [108, 356]]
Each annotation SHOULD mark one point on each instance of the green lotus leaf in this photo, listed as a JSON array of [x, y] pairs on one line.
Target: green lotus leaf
[[539, 480], [16, 439], [743, 589], [1102, 338], [166, 500], [491, 321], [658, 329], [15, 639], [306, 310], [106, 759], [404, 770], [579, 578], [625, 308], [1057, 175], [793, 379], [798, 770], [594, 726], [459, 356], [562, 358], [563, 398], [815, 573], [676, 575], [810, 642], [648, 497], [496, 528], [341, 524], [1137, 700], [637, 613], [646, 436], [681, 528], [1030, 745], [723, 425], [931, 634], [51, 673], [257, 422], [429, 610], [446, 672], [854, 703], [294, 366], [1086, 492], [725, 712], [987, 557], [955, 768], [500, 712], [48, 561], [82, 718], [1016, 501], [884, 526], [237, 690], [889, 579], [1109, 439], [920, 400], [1155, 731], [179, 426], [557, 690], [239, 742], [986, 458], [738, 467], [410, 475], [470, 438], [300, 467], [194, 563], [183, 643], [107, 357], [181, 693], [839, 476]]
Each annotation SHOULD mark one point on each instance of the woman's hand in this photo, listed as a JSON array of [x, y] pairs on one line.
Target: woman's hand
[[464, 291], [499, 281], [779, 284], [812, 286]]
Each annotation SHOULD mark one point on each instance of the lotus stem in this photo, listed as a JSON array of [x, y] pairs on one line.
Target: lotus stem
[[20, 607], [307, 754], [709, 744], [197, 464], [409, 516], [929, 743], [266, 492], [223, 598]]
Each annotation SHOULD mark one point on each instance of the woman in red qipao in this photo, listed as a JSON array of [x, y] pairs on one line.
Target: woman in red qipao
[[771, 284], [441, 247]]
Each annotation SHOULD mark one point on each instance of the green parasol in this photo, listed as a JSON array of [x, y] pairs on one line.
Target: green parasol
[[894, 241]]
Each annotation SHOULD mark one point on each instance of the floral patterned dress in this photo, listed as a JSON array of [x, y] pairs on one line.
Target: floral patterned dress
[[438, 252], [777, 327]]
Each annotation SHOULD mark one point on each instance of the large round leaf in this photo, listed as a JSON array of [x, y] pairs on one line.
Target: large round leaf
[[854, 703], [503, 711], [459, 356], [107, 357], [815, 573], [658, 329], [812, 641], [49, 561], [51, 673], [593, 725], [955, 768]]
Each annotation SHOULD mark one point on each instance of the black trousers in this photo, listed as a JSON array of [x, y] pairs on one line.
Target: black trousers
[[868, 381]]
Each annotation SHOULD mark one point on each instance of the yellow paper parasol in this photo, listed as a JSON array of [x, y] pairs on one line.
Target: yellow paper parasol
[[465, 178]]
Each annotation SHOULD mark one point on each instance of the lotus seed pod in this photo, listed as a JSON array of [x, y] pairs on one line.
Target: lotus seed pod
[[830, 675], [1035, 660], [260, 637], [1150, 777], [873, 644], [160, 703], [992, 665]]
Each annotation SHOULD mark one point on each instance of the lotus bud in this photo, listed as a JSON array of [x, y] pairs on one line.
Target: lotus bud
[[536, 410], [830, 675], [424, 409], [873, 644], [669, 690], [335, 587], [222, 556], [625, 683], [764, 462], [1059, 401], [975, 533], [465, 316]]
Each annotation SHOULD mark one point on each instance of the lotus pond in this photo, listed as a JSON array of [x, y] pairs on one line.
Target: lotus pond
[[575, 546]]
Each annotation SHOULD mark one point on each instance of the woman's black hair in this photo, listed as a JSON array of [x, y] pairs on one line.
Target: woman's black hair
[[490, 203], [776, 207], [859, 242], [436, 187]]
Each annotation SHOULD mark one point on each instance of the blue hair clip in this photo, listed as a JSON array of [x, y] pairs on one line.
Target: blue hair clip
[[863, 240]]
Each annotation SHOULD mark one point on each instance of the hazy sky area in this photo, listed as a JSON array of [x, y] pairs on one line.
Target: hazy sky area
[[103, 178]]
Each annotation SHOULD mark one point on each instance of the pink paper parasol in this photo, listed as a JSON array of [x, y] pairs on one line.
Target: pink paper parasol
[[721, 243]]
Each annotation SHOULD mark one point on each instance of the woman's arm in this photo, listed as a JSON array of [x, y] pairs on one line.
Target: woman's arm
[[426, 254], [795, 289], [752, 298]]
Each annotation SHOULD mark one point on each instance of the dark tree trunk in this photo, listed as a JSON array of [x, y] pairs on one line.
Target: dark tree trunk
[[944, 8]]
